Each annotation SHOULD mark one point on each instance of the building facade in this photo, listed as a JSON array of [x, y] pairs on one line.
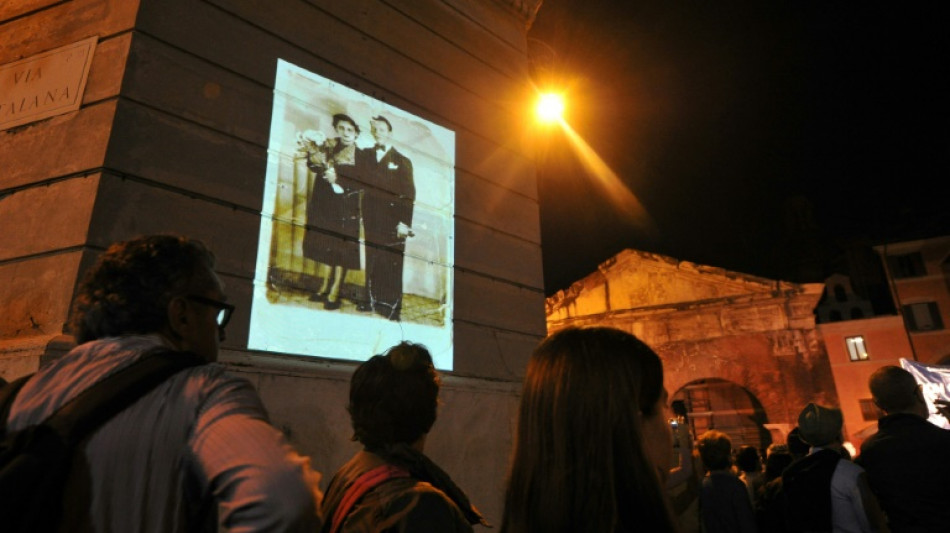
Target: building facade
[[176, 127], [918, 276], [918, 273], [743, 353]]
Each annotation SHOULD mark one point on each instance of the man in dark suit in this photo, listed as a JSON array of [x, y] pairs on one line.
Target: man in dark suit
[[387, 220]]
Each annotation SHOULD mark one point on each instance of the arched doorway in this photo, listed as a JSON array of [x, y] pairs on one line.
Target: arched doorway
[[715, 403]]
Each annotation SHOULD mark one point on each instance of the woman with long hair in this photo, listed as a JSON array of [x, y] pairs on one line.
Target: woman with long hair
[[593, 444]]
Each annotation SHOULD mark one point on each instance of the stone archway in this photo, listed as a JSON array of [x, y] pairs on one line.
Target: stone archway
[[715, 403]]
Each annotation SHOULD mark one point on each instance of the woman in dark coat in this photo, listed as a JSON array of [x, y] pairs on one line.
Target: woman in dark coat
[[333, 209]]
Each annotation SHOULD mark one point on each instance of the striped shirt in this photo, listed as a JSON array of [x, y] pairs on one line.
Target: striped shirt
[[196, 447]]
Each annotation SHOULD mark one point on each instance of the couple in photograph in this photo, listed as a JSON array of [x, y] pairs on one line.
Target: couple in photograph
[[353, 187]]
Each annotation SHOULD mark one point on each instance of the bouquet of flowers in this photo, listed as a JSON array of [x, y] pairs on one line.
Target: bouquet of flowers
[[318, 150], [312, 142]]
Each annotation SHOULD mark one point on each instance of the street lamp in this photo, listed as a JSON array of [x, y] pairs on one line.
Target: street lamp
[[550, 110], [550, 107]]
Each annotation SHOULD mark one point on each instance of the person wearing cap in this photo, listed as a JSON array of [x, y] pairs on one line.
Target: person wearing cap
[[908, 459], [387, 209], [823, 491]]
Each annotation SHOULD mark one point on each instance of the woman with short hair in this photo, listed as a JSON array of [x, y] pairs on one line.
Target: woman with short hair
[[333, 207], [391, 485]]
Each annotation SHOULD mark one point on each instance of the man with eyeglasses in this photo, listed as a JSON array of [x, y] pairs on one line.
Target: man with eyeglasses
[[196, 453], [908, 459]]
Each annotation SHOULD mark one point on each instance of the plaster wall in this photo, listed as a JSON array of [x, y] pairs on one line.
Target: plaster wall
[[933, 286], [886, 342]]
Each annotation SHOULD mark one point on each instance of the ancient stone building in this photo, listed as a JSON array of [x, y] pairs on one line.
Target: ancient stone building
[[176, 125], [742, 352]]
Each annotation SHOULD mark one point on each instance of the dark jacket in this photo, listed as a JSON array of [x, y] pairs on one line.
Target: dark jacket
[[724, 504], [388, 196], [908, 467], [426, 501], [806, 484]]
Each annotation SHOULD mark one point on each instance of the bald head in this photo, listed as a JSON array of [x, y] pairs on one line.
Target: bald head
[[895, 391]]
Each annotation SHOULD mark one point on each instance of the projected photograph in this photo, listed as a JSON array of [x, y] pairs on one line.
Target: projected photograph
[[356, 240]]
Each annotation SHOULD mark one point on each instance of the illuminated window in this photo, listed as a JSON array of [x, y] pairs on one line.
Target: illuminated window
[[924, 316], [869, 411], [857, 351]]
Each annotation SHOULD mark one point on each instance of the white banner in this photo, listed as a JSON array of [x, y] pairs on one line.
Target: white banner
[[935, 383]]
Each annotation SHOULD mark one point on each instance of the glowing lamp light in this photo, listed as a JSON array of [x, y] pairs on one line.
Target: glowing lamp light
[[550, 107]]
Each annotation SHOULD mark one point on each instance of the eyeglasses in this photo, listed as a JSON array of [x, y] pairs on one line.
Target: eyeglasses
[[224, 309]]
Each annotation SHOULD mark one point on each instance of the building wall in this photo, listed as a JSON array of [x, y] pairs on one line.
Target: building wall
[[707, 322], [933, 286], [841, 302], [760, 334], [52, 172], [886, 343], [172, 136]]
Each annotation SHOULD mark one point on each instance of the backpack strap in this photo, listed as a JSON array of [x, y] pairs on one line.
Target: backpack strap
[[92, 407], [8, 393], [363, 484], [112, 394]]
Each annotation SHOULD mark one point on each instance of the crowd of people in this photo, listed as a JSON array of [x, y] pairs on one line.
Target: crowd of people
[[594, 450], [811, 483]]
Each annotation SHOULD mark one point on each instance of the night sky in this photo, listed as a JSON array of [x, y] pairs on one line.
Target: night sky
[[723, 118]]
